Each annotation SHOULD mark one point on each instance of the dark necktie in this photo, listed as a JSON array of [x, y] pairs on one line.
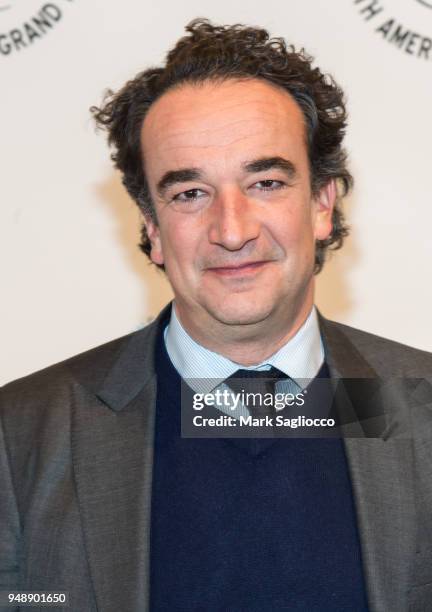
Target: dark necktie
[[256, 387]]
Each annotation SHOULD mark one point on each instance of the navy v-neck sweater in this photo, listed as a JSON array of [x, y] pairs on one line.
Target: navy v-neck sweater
[[233, 530]]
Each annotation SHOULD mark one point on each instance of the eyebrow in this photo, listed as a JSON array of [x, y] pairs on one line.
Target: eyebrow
[[270, 163], [177, 176], [172, 177]]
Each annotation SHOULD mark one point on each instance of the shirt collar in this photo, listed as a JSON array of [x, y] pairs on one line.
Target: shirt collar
[[300, 358]]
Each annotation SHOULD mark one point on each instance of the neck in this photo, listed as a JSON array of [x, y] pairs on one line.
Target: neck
[[250, 344]]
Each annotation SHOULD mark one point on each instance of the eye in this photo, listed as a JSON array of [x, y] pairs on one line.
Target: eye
[[269, 185], [189, 196]]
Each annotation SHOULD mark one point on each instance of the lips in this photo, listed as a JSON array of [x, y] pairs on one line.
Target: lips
[[248, 267]]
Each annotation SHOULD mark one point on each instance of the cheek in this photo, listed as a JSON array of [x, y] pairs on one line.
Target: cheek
[[295, 233], [179, 252]]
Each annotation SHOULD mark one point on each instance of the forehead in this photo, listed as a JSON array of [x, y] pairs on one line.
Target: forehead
[[216, 118]]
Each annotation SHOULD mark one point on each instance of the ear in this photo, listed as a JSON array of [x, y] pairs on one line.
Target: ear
[[153, 232], [324, 204]]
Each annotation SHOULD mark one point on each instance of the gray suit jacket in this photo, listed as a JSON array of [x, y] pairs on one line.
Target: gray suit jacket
[[76, 453]]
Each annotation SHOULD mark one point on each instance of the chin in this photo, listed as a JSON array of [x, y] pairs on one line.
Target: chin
[[240, 313]]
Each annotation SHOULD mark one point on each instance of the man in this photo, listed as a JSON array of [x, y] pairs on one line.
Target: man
[[233, 152]]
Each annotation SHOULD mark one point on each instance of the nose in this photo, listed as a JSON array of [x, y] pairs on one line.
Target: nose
[[234, 221]]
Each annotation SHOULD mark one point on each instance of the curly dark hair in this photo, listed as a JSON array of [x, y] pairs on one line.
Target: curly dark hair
[[210, 52]]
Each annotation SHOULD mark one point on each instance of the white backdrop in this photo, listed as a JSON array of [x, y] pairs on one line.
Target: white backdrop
[[72, 276]]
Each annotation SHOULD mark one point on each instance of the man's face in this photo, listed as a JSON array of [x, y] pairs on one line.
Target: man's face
[[228, 172]]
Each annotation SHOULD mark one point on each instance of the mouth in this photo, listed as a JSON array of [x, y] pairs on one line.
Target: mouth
[[239, 270]]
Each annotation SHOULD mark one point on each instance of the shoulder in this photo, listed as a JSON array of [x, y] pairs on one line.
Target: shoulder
[[387, 357], [40, 414], [88, 369], [61, 373]]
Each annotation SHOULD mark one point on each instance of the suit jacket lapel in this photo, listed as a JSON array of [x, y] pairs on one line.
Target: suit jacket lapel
[[112, 453], [381, 472]]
